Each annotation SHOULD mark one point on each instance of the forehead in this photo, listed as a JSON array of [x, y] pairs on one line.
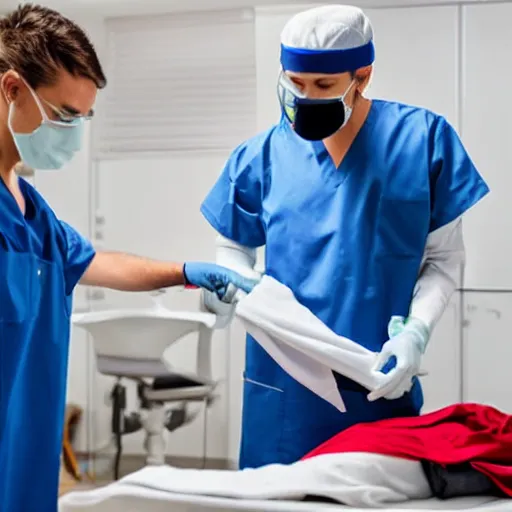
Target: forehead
[[314, 77], [70, 92]]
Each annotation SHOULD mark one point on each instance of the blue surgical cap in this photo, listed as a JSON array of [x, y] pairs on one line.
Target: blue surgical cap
[[329, 39]]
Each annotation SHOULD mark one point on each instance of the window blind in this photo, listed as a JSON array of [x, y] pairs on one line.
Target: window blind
[[179, 82]]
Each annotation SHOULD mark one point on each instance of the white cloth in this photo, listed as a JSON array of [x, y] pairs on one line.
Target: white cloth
[[355, 479], [302, 351], [132, 498], [302, 344], [440, 271], [330, 27]]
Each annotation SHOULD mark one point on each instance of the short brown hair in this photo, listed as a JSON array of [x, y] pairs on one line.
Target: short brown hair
[[36, 41]]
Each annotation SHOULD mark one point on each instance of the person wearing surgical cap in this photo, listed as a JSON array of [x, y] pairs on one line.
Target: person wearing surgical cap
[[358, 203]]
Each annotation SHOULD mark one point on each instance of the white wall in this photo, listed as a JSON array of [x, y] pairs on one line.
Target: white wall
[[486, 107], [457, 73]]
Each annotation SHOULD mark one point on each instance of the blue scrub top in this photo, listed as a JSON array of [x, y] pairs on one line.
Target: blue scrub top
[[348, 241], [41, 261]]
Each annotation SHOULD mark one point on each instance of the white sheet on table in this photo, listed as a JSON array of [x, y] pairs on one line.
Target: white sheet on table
[[128, 498], [355, 479], [302, 344]]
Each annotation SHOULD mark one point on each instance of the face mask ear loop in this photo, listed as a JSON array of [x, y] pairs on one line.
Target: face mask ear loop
[[9, 112], [42, 111], [348, 89]]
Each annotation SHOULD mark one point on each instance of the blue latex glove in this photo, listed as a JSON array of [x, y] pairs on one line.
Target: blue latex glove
[[216, 279], [408, 340]]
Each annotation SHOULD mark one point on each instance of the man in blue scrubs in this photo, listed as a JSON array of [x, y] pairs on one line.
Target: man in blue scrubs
[[358, 204], [49, 76]]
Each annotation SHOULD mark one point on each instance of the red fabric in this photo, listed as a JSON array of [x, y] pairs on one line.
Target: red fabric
[[473, 433]]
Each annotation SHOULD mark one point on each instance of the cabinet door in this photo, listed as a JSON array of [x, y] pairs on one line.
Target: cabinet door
[[442, 360], [486, 131], [422, 72], [487, 349]]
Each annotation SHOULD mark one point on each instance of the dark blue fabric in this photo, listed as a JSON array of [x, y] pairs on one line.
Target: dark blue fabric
[[41, 260], [301, 60], [348, 242]]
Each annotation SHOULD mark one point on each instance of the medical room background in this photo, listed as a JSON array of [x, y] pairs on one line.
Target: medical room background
[[188, 81]]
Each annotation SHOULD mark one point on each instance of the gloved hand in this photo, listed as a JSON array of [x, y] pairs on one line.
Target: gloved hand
[[408, 340], [216, 279]]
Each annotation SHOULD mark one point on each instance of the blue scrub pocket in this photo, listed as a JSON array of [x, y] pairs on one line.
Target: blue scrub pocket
[[402, 227], [16, 274], [262, 424]]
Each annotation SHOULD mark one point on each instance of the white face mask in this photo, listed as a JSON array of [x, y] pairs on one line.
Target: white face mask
[[52, 144]]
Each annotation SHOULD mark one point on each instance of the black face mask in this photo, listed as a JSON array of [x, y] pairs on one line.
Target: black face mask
[[312, 119], [318, 119]]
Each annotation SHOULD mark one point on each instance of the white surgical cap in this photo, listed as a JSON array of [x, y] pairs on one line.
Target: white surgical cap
[[332, 38]]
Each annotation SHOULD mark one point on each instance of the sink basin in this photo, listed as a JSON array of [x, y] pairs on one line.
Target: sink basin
[[133, 341]]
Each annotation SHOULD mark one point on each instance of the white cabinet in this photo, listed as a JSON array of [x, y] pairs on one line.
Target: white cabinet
[[423, 71], [442, 360], [487, 349], [487, 133]]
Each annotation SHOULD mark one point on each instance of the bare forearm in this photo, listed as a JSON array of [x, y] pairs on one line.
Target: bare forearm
[[126, 272]]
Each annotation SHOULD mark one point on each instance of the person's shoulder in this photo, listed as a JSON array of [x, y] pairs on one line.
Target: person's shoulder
[[38, 202], [412, 116], [257, 144], [46, 223], [253, 152]]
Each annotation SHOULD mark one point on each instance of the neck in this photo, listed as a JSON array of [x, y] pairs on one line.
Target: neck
[[9, 157], [338, 144], [346, 135]]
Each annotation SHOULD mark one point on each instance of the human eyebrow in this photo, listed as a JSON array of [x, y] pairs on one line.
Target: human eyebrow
[[73, 112], [66, 109]]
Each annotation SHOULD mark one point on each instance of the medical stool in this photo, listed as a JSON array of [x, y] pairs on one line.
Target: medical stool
[[129, 344]]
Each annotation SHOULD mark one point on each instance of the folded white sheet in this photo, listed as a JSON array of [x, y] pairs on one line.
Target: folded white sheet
[[302, 344], [355, 479]]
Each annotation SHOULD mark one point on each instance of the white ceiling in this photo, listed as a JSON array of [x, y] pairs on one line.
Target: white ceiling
[[116, 8]]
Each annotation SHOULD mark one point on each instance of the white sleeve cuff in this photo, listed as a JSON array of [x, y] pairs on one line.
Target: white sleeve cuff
[[440, 273], [236, 257]]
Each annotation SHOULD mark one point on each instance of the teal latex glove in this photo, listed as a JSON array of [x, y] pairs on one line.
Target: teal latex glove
[[408, 340], [216, 279]]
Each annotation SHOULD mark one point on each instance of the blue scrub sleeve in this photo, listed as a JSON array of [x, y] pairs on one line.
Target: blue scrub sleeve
[[80, 253], [456, 185], [233, 206]]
